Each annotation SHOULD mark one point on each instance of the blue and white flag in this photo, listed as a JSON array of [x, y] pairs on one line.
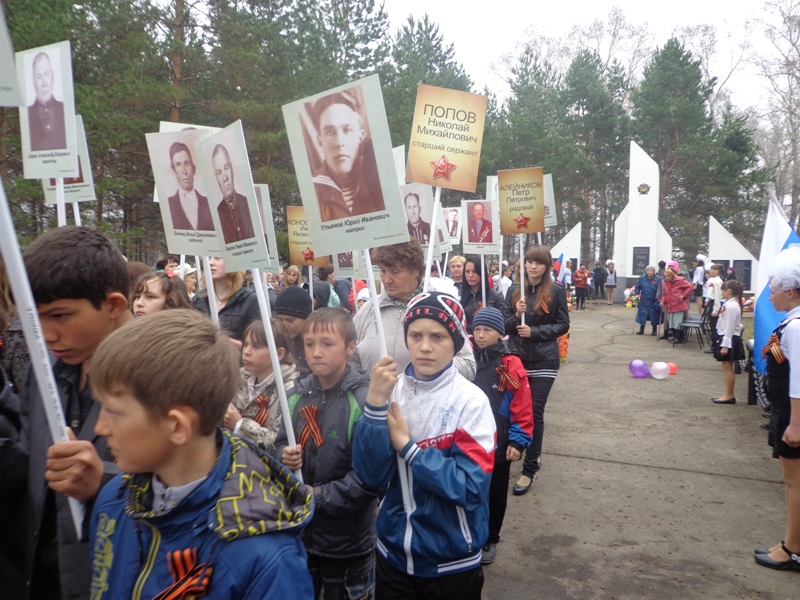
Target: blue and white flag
[[778, 235]]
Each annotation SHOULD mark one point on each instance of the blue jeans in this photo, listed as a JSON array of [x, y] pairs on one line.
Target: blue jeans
[[343, 579]]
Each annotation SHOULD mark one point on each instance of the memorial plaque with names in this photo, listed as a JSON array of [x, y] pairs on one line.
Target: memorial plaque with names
[[725, 263], [743, 272], [641, 258]]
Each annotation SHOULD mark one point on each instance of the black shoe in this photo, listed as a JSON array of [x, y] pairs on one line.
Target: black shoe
[[666, 335], [792, 564], [764, 426], [521, 490], [718, 401], [640, 332], [489, 553], [763, 550], [655, 331]]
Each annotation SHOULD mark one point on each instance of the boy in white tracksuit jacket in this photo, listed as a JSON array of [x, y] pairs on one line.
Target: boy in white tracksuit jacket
[[442, 427]]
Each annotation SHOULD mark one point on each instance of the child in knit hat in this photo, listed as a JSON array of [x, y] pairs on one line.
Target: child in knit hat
[[293, 306], [503, 379], [441, 426]]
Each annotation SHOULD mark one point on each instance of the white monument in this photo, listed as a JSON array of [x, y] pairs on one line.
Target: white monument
[[639, 237], [726, 249], [569, 246]]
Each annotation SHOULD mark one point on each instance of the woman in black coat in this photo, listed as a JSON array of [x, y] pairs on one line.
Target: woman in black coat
[[536, 343], [472, 291]]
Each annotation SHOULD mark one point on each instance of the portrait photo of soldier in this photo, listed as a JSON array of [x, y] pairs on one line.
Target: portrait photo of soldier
[[341, 155], [479, 229], [418, 229], [233, 209], [187, 206], [46, 113]]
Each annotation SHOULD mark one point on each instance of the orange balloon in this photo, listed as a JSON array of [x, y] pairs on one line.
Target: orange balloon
[[673, 368]]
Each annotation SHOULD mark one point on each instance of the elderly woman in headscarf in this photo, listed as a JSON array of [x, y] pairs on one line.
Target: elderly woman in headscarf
[[402, 269], [675, 294], [648, 288]]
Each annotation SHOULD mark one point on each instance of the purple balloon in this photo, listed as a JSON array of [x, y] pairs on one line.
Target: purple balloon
[[639, 369]]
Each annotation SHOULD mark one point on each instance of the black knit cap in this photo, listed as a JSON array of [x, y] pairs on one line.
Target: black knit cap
[[293, 302], [442, 308]]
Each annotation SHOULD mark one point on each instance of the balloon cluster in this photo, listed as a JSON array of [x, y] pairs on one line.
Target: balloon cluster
[[658, 370]]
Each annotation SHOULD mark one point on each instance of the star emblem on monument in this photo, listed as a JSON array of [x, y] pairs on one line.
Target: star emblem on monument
[[643, 189], [442, 168], [522, 221], [308, 255]]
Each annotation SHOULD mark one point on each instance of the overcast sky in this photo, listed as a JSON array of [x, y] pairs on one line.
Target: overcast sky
[[483, 34]]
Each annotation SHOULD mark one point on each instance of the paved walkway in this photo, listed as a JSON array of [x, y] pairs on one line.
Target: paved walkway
[[647, 488]]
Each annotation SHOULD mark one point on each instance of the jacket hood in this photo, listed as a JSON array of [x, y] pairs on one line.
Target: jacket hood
[[254, 493], [352, 378]]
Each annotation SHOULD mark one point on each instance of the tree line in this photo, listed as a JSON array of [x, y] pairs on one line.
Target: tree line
[[574, 105]]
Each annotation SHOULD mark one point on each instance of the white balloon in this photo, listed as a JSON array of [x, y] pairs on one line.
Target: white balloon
[[659, 370]]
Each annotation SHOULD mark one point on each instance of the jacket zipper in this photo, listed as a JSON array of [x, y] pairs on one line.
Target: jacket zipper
[[155, 542], [462, 521]]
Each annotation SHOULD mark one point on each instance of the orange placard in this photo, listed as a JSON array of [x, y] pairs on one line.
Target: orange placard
[[521, 195], [301, 252], [446, 138]]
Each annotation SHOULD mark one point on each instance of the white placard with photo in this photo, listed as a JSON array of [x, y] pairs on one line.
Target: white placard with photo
[[80, 188], [9, 86], [224, 167], [186, 213], [345, 167], [452, 222], [481, 233], [47, 116]]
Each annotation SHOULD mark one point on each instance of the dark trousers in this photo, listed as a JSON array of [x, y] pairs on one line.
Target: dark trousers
[[397, 585], [498, 498], [580, 296], [540, 389], [343, 579], [600, 290]]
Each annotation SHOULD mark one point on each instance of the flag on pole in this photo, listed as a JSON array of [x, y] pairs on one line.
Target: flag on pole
[[557, 268], [778, 235]]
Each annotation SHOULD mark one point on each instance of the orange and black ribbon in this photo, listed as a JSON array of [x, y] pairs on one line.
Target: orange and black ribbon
[[190, 580], [311, 429], [263, 409], [774, 347], [506, 380]]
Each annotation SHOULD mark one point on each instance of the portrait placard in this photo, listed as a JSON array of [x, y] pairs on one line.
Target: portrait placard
[[301, 252], [550, 214], [9, 86], [451, 222], [446, 138], [521, 197], [418, 208], [47, 116], [343, 159], [268, 225], [482, 232], [399, 154], [186, 212], [168, 126], [80, 188], [225, 170]]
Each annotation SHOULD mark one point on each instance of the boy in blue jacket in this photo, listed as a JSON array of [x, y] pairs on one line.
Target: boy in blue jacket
[[197, 512], [501, 376], [441, 426]]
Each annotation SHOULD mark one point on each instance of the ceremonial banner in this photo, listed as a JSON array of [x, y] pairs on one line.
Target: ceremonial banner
[[225, 169], [521, 200], [268, 225], [76, 189], [186, 213], [343, 158], [446, 138], [482, 232], [301, 253], [47, 117], [550, 214], [418, 205], [9, 85]]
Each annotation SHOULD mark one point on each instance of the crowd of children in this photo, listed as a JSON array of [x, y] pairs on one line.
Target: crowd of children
[[394, 483]]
